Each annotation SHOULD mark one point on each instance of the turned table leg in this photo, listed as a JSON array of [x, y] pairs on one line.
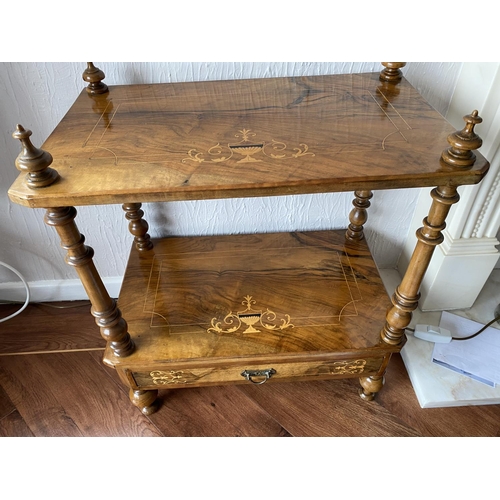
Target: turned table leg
[[358, 215], [405, 298], [108, 316], [138, 226]]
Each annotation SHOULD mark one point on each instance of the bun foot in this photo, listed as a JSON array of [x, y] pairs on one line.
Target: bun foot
[[146, 401], [370, 386]]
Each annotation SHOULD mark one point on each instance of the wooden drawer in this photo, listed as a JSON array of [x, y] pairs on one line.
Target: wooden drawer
[[175, 378]]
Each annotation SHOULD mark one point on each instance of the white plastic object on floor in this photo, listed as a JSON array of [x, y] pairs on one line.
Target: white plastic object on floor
[[432, 333]]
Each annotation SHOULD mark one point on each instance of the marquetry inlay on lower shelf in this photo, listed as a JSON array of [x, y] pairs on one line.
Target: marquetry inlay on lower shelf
[[250, 318], [241, 291], [216, 306]]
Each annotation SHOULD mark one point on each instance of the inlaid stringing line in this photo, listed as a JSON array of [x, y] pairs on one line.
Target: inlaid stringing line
[[149, 286], [104, 131], [395, 110], [385, 138], [156, 291], [112, 152], [96, 123], [156, 296], [353, 302], [353, 276], [388, 117]]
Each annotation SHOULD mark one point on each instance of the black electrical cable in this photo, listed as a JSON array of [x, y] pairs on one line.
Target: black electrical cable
[[470, 336], [477, 333]]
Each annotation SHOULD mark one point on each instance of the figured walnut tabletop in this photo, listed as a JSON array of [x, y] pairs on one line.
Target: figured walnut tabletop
[[221, 139]]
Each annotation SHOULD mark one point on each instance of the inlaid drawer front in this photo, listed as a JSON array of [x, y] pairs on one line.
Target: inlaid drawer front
[[195, 377]]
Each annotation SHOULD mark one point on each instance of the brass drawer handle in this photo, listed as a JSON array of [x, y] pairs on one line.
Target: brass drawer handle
[[267, 374]]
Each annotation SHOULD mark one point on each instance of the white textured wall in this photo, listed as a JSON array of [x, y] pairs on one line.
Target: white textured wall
[[37, 95]]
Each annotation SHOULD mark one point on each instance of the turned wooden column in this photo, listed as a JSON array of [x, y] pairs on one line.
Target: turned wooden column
[[358, 215], [138, 226], [406, 296], [107, 315], [94, 77], [392, 72]]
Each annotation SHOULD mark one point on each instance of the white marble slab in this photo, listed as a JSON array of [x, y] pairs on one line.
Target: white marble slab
[[434, 385]]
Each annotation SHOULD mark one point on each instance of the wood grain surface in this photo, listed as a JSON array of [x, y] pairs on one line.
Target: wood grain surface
[[240, 138], [18, 334], [307, 305]]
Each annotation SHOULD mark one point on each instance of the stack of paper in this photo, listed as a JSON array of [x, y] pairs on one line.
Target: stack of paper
[[477, 358]]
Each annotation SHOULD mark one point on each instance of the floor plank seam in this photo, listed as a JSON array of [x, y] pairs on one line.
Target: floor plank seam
[[154, 425], [57, 351], [282, 427], [8, 414], [123, 389]]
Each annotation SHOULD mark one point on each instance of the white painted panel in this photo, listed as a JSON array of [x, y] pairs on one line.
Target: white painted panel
[[37, 95]]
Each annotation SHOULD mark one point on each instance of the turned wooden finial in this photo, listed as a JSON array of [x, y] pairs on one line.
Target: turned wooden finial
[[34, 161], [94, 77], [463, 142], [392, 73]]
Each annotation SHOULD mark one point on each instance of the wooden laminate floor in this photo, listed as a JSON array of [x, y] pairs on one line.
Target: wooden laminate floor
[[53, 383]]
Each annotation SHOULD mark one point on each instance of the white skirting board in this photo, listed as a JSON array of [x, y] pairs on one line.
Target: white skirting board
[[54, 290]]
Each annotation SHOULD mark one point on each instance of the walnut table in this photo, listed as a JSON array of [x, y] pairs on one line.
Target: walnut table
[[257, 308]]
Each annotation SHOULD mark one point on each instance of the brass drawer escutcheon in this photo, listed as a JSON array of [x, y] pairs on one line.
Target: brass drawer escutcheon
[[267, 374]]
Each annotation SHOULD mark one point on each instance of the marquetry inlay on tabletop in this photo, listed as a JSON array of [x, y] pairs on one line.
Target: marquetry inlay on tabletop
[[244, 138]]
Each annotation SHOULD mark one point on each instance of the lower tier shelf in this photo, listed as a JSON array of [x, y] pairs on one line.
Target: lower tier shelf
[[252, 308]]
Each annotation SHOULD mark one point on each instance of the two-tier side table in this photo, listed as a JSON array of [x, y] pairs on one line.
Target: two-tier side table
[[248, 308]]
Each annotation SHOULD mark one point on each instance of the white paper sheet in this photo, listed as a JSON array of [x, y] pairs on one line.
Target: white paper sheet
[[478, 358]]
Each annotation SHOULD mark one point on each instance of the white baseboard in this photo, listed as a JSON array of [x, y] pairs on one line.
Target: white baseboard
[[54, 290]]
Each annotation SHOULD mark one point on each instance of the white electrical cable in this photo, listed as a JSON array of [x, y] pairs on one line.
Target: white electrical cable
[[27, 292]]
